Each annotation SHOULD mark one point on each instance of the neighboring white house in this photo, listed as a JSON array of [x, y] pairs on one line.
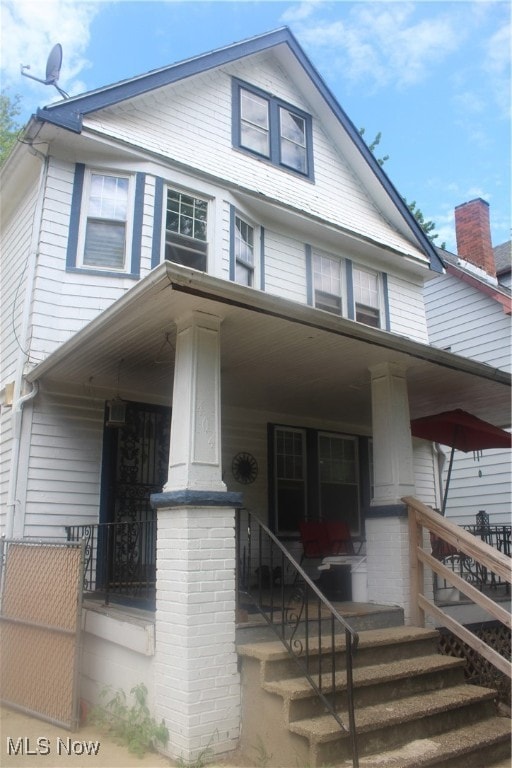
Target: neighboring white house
[[469, 313], [213, 244]]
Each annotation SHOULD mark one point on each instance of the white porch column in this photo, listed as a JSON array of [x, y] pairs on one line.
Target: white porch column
[[195, 453], [197, 684], [386, 524]]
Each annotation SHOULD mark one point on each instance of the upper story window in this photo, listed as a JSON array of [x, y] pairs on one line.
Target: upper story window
[[243, 252], [327, 283], [336, 285], [106, 221], [366, 297], [105, 231], [186, 230], [272, 129]]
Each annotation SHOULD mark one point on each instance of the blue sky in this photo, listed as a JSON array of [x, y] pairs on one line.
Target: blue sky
[[433, 77]]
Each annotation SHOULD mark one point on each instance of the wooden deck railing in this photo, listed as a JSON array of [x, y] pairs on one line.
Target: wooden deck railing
[[422, 517]]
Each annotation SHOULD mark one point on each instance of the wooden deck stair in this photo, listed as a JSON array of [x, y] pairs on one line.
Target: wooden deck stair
[[413, 708]]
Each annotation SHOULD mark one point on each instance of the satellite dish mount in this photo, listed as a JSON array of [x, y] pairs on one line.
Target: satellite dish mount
[[53, 66]]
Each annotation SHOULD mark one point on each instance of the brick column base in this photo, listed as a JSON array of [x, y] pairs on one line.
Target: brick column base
[[197, 684]]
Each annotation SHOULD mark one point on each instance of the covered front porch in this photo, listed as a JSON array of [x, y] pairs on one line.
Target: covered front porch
[[318, 407]]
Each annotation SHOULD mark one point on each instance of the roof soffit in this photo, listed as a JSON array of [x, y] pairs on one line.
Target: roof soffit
[[314, 357]]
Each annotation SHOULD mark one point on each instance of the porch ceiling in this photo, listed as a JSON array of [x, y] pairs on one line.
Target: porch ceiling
[[276, 355]]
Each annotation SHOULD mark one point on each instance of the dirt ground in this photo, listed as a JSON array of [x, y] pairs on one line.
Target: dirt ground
[[59, 748]]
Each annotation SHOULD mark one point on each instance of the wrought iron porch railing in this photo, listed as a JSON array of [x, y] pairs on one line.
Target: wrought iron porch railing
[[319, 640], [469, 569], [120, 560]]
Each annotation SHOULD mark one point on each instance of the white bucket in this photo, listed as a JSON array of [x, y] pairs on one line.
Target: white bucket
[[359, 575]]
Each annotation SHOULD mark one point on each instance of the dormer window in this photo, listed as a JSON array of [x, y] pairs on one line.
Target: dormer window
[[272, 129]]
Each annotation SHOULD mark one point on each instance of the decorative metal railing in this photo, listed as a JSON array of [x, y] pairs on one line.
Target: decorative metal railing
[[320, 641], [465, 566], [120, 560]]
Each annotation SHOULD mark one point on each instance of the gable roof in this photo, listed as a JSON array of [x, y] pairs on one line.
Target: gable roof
[[69, 113], [455, 267]]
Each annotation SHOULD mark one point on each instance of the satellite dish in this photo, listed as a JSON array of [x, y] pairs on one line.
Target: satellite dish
[[53, 65]]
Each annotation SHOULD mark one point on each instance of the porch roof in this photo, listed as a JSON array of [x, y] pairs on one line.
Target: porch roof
[[276, 355]]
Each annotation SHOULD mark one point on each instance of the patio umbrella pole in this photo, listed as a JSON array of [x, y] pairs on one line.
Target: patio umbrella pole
[[447, 485]]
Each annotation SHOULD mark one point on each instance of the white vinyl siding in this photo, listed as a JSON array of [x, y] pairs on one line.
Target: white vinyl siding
[[466, 321], [161, 125], [406, 308], [285, 267], [66, 301], [15, 248], [63, 484]]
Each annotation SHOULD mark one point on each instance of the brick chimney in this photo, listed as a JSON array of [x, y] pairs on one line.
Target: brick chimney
[[473, 232]]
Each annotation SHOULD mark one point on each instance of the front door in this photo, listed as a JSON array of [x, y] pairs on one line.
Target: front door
[[135, 465]]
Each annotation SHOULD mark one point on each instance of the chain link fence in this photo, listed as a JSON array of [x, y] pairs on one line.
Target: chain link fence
[[40, 624]]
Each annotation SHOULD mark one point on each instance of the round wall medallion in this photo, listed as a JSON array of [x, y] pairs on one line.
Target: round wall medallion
[[245, 468]]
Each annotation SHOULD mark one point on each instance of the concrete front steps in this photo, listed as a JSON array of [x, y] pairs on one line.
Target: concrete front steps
[[412, 707]]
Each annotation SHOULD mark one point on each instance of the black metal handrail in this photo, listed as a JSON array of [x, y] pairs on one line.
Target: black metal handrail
[[120, 560], [272, 582]]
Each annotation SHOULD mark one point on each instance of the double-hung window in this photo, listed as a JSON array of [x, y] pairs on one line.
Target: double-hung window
[[327, 283], [243, 252], [105, 234], [366, 297], [272, 129], [316, 475], [186, 230]]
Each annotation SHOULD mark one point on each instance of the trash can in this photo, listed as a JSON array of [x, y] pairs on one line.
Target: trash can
[[359, 577]]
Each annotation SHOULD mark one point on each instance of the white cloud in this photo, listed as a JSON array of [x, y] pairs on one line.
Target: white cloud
[[497, 66], [380, 42], [30, 29], [300, 11]]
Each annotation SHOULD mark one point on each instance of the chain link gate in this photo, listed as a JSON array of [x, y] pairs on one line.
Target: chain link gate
[[40, 628]]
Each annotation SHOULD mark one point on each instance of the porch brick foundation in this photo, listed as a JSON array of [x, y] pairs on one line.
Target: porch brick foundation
[[197, 684], [387, 538]]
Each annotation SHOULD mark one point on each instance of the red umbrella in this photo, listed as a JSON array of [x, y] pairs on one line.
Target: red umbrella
[[460, 430]]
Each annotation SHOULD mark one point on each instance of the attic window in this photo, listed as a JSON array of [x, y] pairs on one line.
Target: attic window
[[271, 129]]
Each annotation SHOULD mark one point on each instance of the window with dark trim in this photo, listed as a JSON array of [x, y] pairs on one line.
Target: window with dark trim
[[336, 285], [243, 255], [316, 475], [272, 129], [327, 283], [367, 297], [105, 227], [186, 230], [105, 235]]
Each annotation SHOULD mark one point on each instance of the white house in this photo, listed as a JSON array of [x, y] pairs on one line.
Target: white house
[[468, 312], [213, 244]]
